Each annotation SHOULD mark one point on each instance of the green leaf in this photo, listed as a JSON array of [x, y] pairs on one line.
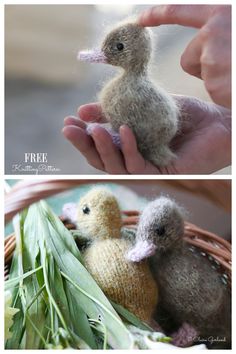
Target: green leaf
[[131, 318], [59, 301], [17, 328], [35, 316], [92, 299], [13, 281], [79, 320]]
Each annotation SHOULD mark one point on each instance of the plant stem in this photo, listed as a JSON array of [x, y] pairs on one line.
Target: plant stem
[[36, 329], [10, 283], [116, 318], [104, 331], [51, 297]]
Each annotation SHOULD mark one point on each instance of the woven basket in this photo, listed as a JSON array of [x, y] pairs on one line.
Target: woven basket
[[209, 244]]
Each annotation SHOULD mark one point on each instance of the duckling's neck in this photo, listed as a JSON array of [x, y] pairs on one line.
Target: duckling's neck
[[175, 248], [109, 233], [136, 71]]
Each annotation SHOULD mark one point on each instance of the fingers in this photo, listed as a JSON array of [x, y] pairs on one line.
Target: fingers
[[84, 143], [91, 112], [102, 154], [191, 58], [111, 157], [71, 120], [134, 162], [99, 149], [185, 15]]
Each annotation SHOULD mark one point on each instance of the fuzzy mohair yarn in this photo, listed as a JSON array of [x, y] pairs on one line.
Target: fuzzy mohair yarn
[[128, 284], [131, 97], [190, 288], [99, 215]]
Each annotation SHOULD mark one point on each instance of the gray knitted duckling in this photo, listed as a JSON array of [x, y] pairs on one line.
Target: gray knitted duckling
[[191, 290], [131, 98]]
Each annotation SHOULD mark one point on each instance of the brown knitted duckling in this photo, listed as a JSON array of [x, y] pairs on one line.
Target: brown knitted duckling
[[131, 98], [128, 284], [190, 289]]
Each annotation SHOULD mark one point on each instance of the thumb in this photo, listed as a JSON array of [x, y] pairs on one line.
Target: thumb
[[91, 112]]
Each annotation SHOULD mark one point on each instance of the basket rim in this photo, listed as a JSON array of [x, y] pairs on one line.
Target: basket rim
[[26, 192], [207, 242]]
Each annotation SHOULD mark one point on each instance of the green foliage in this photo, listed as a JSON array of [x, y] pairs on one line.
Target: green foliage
[[60, 305]]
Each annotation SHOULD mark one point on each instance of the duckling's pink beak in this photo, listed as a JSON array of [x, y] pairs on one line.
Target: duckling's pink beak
[[92, 56], [142, 249]]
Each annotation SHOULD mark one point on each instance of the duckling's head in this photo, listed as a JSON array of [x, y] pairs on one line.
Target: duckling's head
[[128, 46], [99, 215], [160, 228]]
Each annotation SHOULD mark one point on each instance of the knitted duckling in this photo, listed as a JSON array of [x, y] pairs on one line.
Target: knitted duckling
[[128, 284], [131, 98], [190, 289]]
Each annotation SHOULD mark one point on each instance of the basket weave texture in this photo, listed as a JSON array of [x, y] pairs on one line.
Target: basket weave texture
[[26, 193]]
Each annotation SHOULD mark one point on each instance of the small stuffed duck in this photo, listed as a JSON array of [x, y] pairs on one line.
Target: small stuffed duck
[[132, 98], [126, 283], [190, 289]]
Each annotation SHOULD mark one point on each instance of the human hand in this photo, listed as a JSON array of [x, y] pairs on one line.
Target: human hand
[[208, 55], [202, 145]]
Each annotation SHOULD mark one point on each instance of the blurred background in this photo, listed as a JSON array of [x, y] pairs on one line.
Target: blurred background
[[45, 82]]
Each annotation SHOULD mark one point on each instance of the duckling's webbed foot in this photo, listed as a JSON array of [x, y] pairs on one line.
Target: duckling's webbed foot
[[114, 135], [185, 336]]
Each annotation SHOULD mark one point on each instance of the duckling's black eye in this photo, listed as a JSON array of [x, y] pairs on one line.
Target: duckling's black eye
[[86, 209], [160, 230], [120, 46]]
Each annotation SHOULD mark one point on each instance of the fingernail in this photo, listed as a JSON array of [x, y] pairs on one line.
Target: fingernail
[[63, 131], [122, 132], [123, 127], [80, 108], [95, 131], [67, 118], [90, 127], [144, 17]]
